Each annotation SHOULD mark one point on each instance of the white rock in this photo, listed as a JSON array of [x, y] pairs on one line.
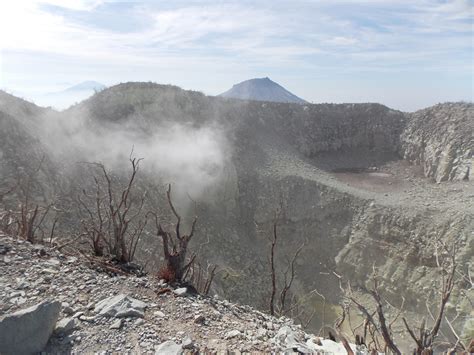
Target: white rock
[[332, 347], [181, 291], [159, 314], [168, 348], [288, 339], [120, 306]]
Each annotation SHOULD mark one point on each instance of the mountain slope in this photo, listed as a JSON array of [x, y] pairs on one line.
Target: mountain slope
[[167, 321], [262, 89]]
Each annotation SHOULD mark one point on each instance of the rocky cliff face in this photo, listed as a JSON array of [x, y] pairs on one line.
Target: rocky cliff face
[[440, 138]]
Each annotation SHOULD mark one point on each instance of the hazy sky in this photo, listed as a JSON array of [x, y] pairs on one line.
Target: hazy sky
[[406, 54]]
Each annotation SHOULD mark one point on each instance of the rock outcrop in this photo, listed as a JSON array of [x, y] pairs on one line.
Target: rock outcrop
[[120, 306], [441, 139], [27, 331]]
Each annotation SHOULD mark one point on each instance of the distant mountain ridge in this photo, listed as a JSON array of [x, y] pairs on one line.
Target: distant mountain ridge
[[261, 89], [86, 85], [65, 98]]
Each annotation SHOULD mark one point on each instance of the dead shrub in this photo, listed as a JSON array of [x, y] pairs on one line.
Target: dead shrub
[[167, 274], [112, 218]]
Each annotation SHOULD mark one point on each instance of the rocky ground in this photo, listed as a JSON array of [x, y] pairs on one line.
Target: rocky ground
[[102, 313]]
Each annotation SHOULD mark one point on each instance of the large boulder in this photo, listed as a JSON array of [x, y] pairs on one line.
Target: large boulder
[[28, 331], [120, 306]]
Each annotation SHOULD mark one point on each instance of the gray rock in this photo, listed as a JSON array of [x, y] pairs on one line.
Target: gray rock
[[168, 348], [120, 306], [77, 314], [159, 314], [232, 334], [65, 325], [261, 332], [187, 343], [68, 310], [117, 324], [27, 331], [288, 339]]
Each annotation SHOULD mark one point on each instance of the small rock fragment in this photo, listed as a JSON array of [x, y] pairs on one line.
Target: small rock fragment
[[182, 291], [117, 324], [232, 334], [187, 343], [159, 314], [65, 325]]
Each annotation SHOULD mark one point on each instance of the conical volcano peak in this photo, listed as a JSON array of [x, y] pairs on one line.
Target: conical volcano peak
[[261, 89]]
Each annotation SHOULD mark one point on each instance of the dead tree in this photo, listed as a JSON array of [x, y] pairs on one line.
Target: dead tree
[[7, 219], [379, 330], [30, 216], [424, 341], [113, 215], [175, 246], [340, 334], [200, 277], [280, 306], [29, 220], [96, 224]]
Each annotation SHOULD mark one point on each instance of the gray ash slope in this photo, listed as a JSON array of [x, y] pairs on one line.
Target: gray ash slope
[[261, 89], [89, 321], [338, 170]]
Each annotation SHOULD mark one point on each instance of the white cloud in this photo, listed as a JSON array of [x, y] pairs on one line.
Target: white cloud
[[79, 5], [235, 37], [342, 41]]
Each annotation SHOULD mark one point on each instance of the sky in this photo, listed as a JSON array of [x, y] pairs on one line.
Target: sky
[[406, 54]]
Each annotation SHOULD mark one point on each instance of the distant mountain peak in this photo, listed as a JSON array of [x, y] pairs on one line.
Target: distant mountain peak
[[87, 85], [261, 89]]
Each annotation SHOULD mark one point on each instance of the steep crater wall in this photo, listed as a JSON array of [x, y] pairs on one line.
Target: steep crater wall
[[441, 139], [277, 152]]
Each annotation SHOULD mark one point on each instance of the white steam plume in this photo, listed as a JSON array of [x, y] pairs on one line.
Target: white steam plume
[[191, 158]]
